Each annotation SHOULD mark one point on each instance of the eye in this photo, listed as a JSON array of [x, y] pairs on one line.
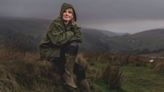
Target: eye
[[70, 12]]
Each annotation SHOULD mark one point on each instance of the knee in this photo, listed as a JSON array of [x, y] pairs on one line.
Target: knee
[[82, 61]]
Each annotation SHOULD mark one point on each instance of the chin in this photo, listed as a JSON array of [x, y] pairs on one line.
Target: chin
[[67, 19]]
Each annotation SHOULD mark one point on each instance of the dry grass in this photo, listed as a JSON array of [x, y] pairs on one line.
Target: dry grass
[[7, 54], [113, 77], [159, 67], [24, 71], [28, 76]]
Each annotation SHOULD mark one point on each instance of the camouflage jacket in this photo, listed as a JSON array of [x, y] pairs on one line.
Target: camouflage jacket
[[58, 35]]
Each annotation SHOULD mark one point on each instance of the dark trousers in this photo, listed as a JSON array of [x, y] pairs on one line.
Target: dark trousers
[[79, 71]]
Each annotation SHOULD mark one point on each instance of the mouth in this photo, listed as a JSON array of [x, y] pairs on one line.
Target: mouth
[[67, 17]]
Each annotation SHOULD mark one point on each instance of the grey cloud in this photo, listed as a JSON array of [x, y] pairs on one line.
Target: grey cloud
[[87, 9], [94, 12]]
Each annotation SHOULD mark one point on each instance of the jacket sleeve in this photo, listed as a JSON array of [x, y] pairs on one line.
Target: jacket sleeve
[[77, 34], [58, 36]]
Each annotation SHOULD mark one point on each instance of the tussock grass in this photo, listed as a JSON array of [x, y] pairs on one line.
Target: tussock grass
[[159, 67], [24, 72], [113, 77]]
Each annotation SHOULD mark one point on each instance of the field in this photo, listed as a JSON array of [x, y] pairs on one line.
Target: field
[[24, 72], [136, 79]]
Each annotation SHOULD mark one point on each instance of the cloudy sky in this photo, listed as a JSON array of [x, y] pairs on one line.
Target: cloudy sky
[[115, 15]]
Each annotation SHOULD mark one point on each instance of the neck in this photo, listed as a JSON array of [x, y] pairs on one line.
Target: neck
[[66, 22]]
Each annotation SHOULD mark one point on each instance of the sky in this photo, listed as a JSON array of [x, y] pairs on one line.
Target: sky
[[123, 16]]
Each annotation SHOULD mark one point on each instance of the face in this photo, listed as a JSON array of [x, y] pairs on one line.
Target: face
[[68, 15]]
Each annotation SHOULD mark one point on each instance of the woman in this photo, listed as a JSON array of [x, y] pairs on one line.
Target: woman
[[60, 46]]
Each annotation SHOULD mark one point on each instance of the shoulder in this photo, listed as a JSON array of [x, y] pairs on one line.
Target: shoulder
[[56, 25], [56, 22]]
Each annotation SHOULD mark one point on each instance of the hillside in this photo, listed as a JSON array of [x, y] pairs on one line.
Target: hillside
[[96, 40], [27, 33], [152, 39], [146, 42]]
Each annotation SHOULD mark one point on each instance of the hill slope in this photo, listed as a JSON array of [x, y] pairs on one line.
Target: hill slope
[[30, 31], [148, 41], [26, 34]]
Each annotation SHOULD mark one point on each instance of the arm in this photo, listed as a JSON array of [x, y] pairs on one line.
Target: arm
[[77, 34], [75, 41], [58, 36]]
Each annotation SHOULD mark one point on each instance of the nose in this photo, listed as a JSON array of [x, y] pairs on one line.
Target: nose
[[65, 13]]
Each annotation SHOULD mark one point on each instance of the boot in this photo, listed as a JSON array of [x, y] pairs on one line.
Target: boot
[[84, 86], [69, 88], [68, 75], [69, 79]]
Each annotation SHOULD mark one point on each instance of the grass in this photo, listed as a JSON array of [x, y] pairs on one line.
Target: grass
[[135, 79], [23, 72], [142, 79], [99, 86]]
